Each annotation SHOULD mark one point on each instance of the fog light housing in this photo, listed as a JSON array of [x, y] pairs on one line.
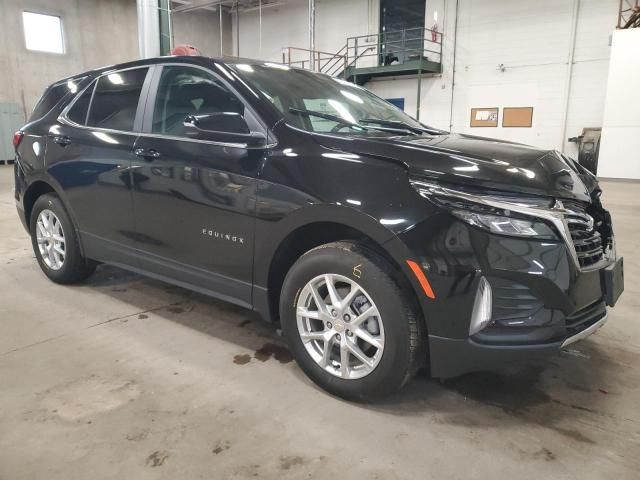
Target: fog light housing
[[481, 315]]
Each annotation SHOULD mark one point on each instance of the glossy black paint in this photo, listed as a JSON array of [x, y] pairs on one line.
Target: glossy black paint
[[93, 171], [227, 220], [480, 162], [185, 199]]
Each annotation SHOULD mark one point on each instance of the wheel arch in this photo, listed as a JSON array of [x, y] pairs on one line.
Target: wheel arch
[[327, 228], [34, 191], [41, 185]]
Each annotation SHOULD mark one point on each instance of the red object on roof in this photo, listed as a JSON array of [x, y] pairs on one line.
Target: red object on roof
[[185, 51]]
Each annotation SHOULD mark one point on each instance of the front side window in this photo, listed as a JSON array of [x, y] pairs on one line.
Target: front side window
[[185, 91], [115, 100]]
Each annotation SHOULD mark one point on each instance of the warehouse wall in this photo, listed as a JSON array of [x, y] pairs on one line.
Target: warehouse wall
[[96, 33], [288, 25], [620, 147], [531, 39], [201, 28]]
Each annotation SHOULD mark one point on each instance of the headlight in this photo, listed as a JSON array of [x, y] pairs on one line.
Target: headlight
[[502, 215], [505, 225]]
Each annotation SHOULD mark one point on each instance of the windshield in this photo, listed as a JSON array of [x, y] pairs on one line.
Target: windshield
[[319, 103]]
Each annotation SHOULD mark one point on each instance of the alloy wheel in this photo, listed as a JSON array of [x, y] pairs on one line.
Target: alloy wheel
[[340, 326], [51, 240]]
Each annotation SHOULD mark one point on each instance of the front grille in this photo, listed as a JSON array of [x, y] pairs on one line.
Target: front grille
[[587, 241]]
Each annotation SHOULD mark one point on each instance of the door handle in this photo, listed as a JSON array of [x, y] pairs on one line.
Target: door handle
[[147, 153], [60, 139]]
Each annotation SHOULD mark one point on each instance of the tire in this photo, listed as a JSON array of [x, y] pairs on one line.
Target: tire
[[74, 267], [400, 329]]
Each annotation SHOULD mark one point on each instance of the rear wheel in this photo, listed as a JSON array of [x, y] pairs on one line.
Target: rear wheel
[[349, 325], [55, 242]]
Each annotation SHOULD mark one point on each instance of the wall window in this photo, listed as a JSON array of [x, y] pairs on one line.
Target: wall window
[[115, 100], [43, 33]]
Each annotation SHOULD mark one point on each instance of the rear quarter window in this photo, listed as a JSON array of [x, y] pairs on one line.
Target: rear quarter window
[[78, 111], [53, 95]]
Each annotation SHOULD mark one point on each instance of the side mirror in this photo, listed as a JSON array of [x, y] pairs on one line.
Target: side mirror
[[230, 122], [224, 127]]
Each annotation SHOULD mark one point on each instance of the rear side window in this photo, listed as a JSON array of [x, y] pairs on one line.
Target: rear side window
[[52, 97], [78, 112], [115, 100]]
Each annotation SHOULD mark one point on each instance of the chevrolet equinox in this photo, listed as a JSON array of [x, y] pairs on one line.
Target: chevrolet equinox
[[381, 245]]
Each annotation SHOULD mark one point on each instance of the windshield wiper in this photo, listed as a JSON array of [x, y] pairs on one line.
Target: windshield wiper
[[401, 125], [385, 126], [327, 116]]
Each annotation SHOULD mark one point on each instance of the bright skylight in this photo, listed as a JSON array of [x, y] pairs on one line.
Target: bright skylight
[[43, 32]]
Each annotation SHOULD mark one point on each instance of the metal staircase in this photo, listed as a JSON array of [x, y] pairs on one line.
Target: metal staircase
[[416, 51]]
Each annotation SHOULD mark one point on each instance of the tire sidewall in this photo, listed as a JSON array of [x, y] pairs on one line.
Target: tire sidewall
[[367, 270], [72, 250]]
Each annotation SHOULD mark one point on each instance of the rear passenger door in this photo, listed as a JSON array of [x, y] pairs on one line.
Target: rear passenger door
[[194, 199], [90, 152]]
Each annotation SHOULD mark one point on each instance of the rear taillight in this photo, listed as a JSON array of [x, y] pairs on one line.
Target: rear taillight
[[17, 138]]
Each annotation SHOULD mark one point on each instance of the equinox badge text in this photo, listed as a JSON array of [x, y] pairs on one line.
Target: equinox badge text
[[223, 236]]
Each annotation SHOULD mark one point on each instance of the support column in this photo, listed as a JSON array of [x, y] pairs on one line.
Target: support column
[[164, 23], [569, 74], [260, 27], [312, 33], [220, 28], [237, 30], [148, 28], [154, 28]]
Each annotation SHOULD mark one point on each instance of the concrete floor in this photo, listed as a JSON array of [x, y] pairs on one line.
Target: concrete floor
[[126, 377]]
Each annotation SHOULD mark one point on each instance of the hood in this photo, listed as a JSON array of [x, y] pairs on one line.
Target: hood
[[476, 161]]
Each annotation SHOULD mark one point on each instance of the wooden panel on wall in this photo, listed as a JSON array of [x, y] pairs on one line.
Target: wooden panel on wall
[[517, 116], [484, 117]]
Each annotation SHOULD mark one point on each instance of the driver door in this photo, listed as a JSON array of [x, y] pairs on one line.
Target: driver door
[[194, 199]]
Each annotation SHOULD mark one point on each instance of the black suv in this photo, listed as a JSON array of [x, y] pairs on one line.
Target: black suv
[[380, 244]]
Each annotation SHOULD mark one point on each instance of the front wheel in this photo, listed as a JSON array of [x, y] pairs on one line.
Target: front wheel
[[349, 324]]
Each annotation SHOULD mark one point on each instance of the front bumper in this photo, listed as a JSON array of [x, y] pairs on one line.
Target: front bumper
[[452, 357], [541, 300], [590, 330]]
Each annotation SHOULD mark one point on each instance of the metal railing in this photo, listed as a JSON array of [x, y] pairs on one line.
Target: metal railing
[[386, 48], [315, 60], [395, 47], [629, 14]]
